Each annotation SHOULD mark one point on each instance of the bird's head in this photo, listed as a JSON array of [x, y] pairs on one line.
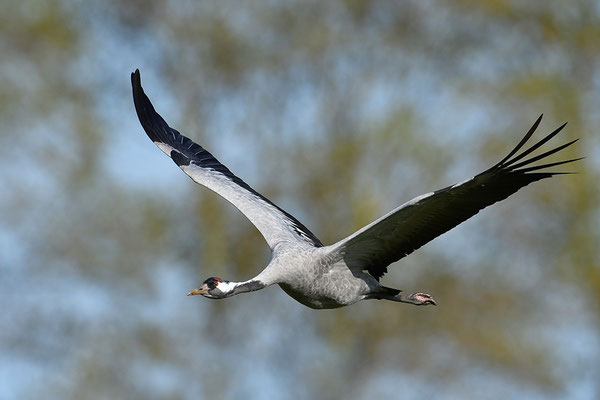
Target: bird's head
[[213, 288]]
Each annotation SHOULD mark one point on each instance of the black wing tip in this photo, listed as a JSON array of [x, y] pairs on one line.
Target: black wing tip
[[136, 81], [508, 162], [136, 85], [135, 75], [515, 167], [549, 165], [179, 159], [154, 125], [520, 144]]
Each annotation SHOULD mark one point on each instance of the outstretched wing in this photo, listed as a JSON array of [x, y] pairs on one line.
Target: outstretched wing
[[425, 217], [274, 224]]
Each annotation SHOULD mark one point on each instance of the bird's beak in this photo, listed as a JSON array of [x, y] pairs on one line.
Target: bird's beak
[[201, 290]]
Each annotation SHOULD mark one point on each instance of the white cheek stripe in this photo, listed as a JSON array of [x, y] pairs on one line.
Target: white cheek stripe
[[226, 287]]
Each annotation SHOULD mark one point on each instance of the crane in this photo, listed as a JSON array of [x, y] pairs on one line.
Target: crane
[[348, 271]]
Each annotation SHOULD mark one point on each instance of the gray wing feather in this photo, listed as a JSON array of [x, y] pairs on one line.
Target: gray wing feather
[[274, 224]]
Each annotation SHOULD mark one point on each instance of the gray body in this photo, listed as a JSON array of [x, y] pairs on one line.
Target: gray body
[[334, 276], [318, 277]]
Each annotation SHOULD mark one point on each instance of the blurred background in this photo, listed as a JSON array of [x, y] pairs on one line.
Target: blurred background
[[337, 111]]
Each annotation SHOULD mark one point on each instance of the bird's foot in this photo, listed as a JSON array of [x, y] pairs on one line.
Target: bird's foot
[[422, 299]]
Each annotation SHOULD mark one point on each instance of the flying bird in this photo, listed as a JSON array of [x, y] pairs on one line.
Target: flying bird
[[348, 271]]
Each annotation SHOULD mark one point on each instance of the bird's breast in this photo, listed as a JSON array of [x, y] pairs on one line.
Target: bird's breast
[[331, 289], [316, 281]]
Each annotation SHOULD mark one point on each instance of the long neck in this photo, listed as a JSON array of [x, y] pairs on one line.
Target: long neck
[[233, 288]]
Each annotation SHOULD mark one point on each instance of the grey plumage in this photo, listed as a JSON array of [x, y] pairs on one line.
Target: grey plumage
[[348, 271]]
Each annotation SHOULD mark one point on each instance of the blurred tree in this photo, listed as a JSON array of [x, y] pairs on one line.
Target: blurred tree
[[337, 111]]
